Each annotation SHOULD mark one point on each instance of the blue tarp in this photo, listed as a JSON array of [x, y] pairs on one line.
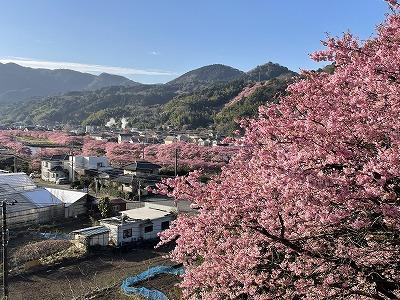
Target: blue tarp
[[127, 288]]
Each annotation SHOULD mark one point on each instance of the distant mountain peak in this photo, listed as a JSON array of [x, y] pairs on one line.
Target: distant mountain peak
[[210, 73], [268, 71], [19, 83]]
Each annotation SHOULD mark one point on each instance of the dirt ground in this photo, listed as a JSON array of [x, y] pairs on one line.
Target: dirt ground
[[94, 273], [95, 277], [164, 283]]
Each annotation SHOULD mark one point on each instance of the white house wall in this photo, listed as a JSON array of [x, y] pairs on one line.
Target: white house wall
[[135, 226], [156, 228]]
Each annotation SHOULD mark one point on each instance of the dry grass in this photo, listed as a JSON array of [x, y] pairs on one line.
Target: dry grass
[[39, 250]]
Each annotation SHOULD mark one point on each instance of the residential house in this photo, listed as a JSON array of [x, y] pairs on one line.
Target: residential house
[[77, 130], [170, 139], [138, 176], [138, 224], [105, 177], [87, 165], [163, 203], [131, 183], [54, 167], [142, 168]]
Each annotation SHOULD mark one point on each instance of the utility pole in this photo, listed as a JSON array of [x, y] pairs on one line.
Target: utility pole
[[143, 150], [139, 191], [176, 162], [72, 165], [4, 238], [132, 186]]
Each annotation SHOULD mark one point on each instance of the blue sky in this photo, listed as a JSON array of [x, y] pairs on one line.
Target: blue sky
[[157, 40]]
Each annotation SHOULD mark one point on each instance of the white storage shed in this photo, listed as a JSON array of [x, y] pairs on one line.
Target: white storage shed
[[137, 224]]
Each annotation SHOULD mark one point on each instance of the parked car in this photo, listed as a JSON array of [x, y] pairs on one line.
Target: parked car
[[62, 180]]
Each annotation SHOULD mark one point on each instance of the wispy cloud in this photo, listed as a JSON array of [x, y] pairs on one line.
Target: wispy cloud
[[154, 53], [88, 68]]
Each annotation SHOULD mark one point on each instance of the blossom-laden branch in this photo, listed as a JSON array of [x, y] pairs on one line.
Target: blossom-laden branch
[[310, 206]]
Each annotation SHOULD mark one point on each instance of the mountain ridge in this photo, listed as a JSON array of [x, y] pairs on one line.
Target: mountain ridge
[[194, 99], [20, 83]]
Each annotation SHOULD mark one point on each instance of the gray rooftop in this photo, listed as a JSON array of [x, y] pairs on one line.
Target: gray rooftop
[[142, 165], [91, 231]]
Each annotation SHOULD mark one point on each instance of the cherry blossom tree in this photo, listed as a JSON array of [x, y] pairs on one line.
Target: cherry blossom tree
[[310, 206], [124, 153], [190, 154], [246, 92], [9, 141], [93, 147]]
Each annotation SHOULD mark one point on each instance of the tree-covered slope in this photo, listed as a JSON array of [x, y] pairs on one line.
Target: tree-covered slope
[[246, 106], [207, 97], [268, 71], [211, 73]]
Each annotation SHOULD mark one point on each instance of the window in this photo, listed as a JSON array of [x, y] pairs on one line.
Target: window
[[164, 225], [148, 229], [127, 233]]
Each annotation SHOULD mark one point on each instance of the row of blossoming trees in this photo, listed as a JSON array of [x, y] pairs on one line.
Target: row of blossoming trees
[[310, 207], [12, 139], [190, 155]]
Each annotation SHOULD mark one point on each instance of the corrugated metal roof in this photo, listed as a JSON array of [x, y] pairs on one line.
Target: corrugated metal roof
[[17, 181], [67, 196], [42, 197], [91, 231], [16, 200]]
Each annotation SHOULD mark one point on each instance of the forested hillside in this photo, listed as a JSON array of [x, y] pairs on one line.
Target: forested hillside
[[199, 98]]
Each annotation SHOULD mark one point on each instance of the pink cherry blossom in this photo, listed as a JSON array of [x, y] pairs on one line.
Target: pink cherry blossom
[[309, 206]]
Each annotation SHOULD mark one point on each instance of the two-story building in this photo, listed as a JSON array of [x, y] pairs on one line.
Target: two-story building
[[82, 165], [54, 167], [138, 176]]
